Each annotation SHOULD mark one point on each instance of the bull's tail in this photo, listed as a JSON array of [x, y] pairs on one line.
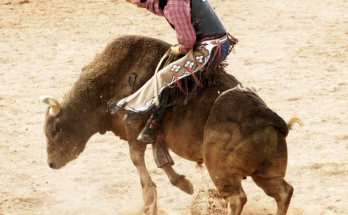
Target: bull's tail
[[292, 121], [275, 120]]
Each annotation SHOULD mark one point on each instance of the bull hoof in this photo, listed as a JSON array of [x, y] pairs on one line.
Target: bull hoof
[[149, 195], [185, 185], [151, 209]]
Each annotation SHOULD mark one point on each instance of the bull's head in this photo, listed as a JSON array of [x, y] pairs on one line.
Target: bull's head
[[66, 133]]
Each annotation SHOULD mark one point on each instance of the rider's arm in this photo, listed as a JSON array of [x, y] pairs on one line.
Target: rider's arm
[[151, 6], [178, 13]]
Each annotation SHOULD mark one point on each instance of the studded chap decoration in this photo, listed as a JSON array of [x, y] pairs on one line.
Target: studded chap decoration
[[175, 68], [190, 64], [199, 58]]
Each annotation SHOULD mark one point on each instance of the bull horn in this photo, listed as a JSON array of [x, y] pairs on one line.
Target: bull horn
[[53, 103]]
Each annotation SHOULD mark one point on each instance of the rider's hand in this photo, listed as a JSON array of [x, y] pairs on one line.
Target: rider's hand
[[175, 49]]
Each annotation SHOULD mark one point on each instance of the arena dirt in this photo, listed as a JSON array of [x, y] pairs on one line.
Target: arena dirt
[[294, 51]]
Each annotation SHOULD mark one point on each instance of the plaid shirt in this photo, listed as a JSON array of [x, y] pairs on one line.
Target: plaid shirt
[[178, 13]]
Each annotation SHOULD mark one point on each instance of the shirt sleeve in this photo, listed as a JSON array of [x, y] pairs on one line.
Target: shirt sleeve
[[151, 6], [178, 13]]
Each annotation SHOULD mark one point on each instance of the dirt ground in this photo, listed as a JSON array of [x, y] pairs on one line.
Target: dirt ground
[[295, 51]]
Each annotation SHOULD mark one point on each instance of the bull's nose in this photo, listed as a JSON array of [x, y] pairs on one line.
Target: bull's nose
[[52, 165]]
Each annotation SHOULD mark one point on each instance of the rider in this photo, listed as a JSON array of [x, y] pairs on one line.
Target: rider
[[203, 45]]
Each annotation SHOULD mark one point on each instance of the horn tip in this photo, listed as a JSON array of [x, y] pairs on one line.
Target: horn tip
[[45, 99]]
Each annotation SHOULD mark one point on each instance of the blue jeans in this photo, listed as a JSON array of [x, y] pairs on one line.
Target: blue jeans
[[224, 51]]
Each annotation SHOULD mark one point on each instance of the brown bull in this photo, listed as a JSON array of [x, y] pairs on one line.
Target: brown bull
[[234, 134]]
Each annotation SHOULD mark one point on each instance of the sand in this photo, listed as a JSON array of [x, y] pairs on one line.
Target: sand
[[295, 51]]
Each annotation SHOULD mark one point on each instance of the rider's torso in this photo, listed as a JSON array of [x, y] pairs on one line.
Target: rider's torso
[[203, 18]]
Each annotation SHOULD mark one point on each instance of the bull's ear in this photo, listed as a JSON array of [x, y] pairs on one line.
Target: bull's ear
[[53, 103]]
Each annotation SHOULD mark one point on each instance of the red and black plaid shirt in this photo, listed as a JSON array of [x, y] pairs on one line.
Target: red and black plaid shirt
[[178, 13]]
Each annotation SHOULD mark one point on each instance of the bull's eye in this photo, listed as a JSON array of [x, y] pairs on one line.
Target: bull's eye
[[53, 133], [58, 127]]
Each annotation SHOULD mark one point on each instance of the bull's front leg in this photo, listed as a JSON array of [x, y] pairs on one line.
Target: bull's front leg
[[137, 153], [175, 179]]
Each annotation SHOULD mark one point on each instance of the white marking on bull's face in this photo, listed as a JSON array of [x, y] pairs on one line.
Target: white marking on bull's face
[[53, 103]]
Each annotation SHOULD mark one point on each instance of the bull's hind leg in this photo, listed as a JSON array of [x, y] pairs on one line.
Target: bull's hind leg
[[226, 176], [234, 195], [277, 188], [176, 179], [270, 175], [228, 183]]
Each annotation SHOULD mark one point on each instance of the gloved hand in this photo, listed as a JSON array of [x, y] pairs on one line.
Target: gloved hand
[[175, 49]]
